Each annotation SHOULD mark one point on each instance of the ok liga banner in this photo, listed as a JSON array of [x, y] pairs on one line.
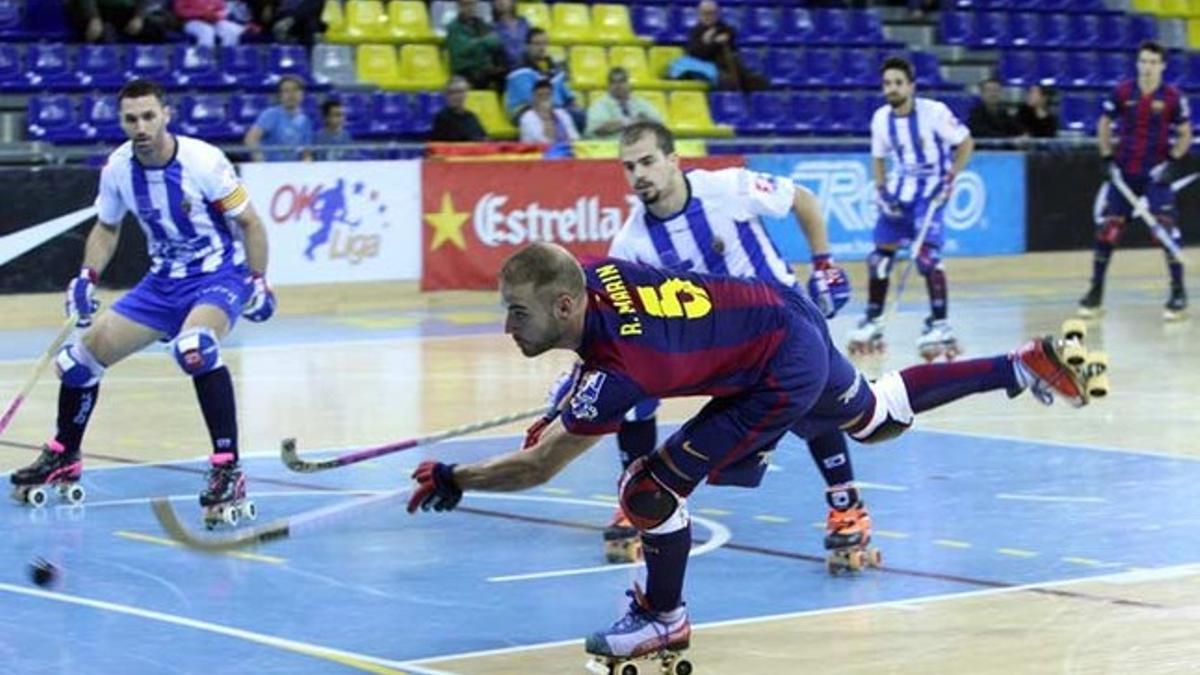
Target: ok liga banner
[[338, 221], [985, 216]]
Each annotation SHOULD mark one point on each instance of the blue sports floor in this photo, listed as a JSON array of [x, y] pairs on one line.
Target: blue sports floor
[[953, 513]]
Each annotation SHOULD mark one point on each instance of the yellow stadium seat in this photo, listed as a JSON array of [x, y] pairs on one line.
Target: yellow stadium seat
[[612, 26], [335, 21], [1181, 8], [1148, 6], [421, 68], [408, 21], [486, 106], [588, 66], [365, 22], [536, 13], [633, 59], [572, 24], [557, 52], [1193, 8], [659, 100], [1194, 33], [376, 64], [595, 149], [661, 58], [690, 116], [691, 147]]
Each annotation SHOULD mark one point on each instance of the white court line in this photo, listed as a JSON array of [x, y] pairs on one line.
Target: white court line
[[1051, 498], [345, 658], [880, 486], [905, 604], [1062, 444]]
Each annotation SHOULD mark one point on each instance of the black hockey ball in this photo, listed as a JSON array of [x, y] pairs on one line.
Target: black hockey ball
[[43, 572]]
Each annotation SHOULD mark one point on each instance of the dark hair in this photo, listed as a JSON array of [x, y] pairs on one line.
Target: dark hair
[[898, 63], [329, 104], [1154, 48], [662, 135], [533, 32], [543, 84], [141, 87], [291, 78], [549, 267], [990, 79]]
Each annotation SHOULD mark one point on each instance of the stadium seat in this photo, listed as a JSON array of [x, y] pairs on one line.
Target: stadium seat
[[378, 65], [1114, 67], [956, 28], [100, 66], [831, 26], [50, 67], [1079, 113], [762, 26], [769, 113], [1114, 31], [365, 21], [611, 25], [991, 29], [633, 59], [661, 57], [1023, 30], [1179, 70], [1179, 8], [1082, 69], [859, 68], [785, 67], [245, 64], [205, 116], [47, 20], [654, 22], [865, 27], [358, 108], [1083, 30], [808, 113], [486, 105], [287, 60], [588, 66], [421, 68], [1017, 68], [729, 107], [927, 67], [796, 26], [196, 68], [391, 114], [333, 64], [101, 119], [408, 21], [537, 14], [847, 115], [244, 109], [821, 67], [1055, 30], [12, 20], [425, 106], [959, 103], [51, 118], [572, 24], [333, 17], [1142, 28], [658, 99], [151, 62], [754, 59], [1051, 68]]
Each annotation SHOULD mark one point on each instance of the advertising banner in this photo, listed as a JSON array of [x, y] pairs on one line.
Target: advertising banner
[[477, 214], [986, 215], [338, 221]]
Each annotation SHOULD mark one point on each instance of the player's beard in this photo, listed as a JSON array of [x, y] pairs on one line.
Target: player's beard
[[897, 101], [544, 344], [648, 197]]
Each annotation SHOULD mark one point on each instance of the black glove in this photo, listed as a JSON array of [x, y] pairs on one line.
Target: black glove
[[1107, 160], [1166, 172]]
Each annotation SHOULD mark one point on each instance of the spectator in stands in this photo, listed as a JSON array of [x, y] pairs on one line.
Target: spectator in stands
[[295, 21], [333, 132], [455, 123], [207, 21], [612, 112], [117, 20], [990, 118], [714, 41], [543, 122], [282, 125], [512, 28], [1034, 115], [537, 65], [476, 51]]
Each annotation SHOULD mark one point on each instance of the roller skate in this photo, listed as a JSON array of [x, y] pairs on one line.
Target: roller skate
[[642, 642], [55, 469], [1176, 307], [1091, 304], [937, 340], [224, 499], [1049, 366], [622, 541], [848, 532], [867, 338]]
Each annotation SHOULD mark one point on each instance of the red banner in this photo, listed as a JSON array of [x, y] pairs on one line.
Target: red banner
[[476, 214]]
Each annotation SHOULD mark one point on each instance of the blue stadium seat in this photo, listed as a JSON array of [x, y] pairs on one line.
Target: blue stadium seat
[[100, 66], [288, 60], [735, 17], [50, 67], [357, 106], [1017, 68], [928, 68], [831, 26], [956, 28], [846, 115], [1114, 31], [244, 109], [865, 28], [809, 114], [821, 67], [1051, 68], [654, 21], [427, 105], [796, 26], [1055, 30], [150, 61], [1023, 30], [729, 107], [196, 68], [12, 20], [991, 29], [392, 114], [686, 18], [785, 67], [859, 68], [206, 116], [100, 119], [1083, 30], [1079, 112], [47, 20], [761, 26], [1082, 69], [1114, 67], [1179, 70], [959, 103], [769, 113], [1142, 28], [754, 58], [244, 64], [52, 118]]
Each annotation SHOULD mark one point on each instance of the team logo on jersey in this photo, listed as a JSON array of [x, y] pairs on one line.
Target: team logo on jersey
[[764, 182], [1157, 106], [583, 403], [718, 246], [186, 207]]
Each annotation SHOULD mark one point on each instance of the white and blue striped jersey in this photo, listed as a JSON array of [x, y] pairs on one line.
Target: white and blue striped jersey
[[920, 147], [185, 208], [719, 230]]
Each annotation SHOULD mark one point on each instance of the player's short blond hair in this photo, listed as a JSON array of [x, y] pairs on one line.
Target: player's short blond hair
[[549, 267]]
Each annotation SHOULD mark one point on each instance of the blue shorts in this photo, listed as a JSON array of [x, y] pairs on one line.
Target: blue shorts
[[808, 388], [903, 228], [1160, 196], [163, 304]]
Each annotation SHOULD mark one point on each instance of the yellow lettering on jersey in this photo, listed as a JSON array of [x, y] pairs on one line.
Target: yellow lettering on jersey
[[614, 285], [675, 298]]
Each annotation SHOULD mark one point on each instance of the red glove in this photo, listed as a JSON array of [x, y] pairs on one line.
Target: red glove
[[534, 433], [435, 489]]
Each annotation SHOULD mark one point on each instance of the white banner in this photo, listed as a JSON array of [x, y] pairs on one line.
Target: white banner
[[339, 221]]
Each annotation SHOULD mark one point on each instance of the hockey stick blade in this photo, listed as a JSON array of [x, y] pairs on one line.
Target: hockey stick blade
[[47, 356], [293, 461]]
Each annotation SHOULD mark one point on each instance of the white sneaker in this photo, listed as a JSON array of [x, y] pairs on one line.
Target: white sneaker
[[642, 631]]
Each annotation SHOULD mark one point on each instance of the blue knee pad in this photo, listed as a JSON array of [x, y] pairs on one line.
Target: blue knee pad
[[77, 368], [879, 264], [929, 258], [644, 410], [197, 351]]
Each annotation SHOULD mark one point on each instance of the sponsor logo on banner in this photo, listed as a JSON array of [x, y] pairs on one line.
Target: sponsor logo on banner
[[478, 213], [338, 221], [985, 214]]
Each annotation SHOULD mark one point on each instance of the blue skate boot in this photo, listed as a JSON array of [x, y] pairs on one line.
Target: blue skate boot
[[642, 635]]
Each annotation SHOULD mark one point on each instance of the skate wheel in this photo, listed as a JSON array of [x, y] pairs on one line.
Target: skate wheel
[[682, 667], [855, 560], [628, 668], [875, 557], [1074, 354], [1097, 363], [250, 510], [74, 493], [231, 516], [1074, 329], [1097, 386], [37, 497]]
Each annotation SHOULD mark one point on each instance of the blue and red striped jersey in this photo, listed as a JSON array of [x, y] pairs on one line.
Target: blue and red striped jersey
[[657, 333], [1144, 124]]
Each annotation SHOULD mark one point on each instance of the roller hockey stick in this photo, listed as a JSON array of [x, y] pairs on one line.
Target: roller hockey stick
[[1141, 209], [46, 358], [282, 528], [287, 450], [915, 249]]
